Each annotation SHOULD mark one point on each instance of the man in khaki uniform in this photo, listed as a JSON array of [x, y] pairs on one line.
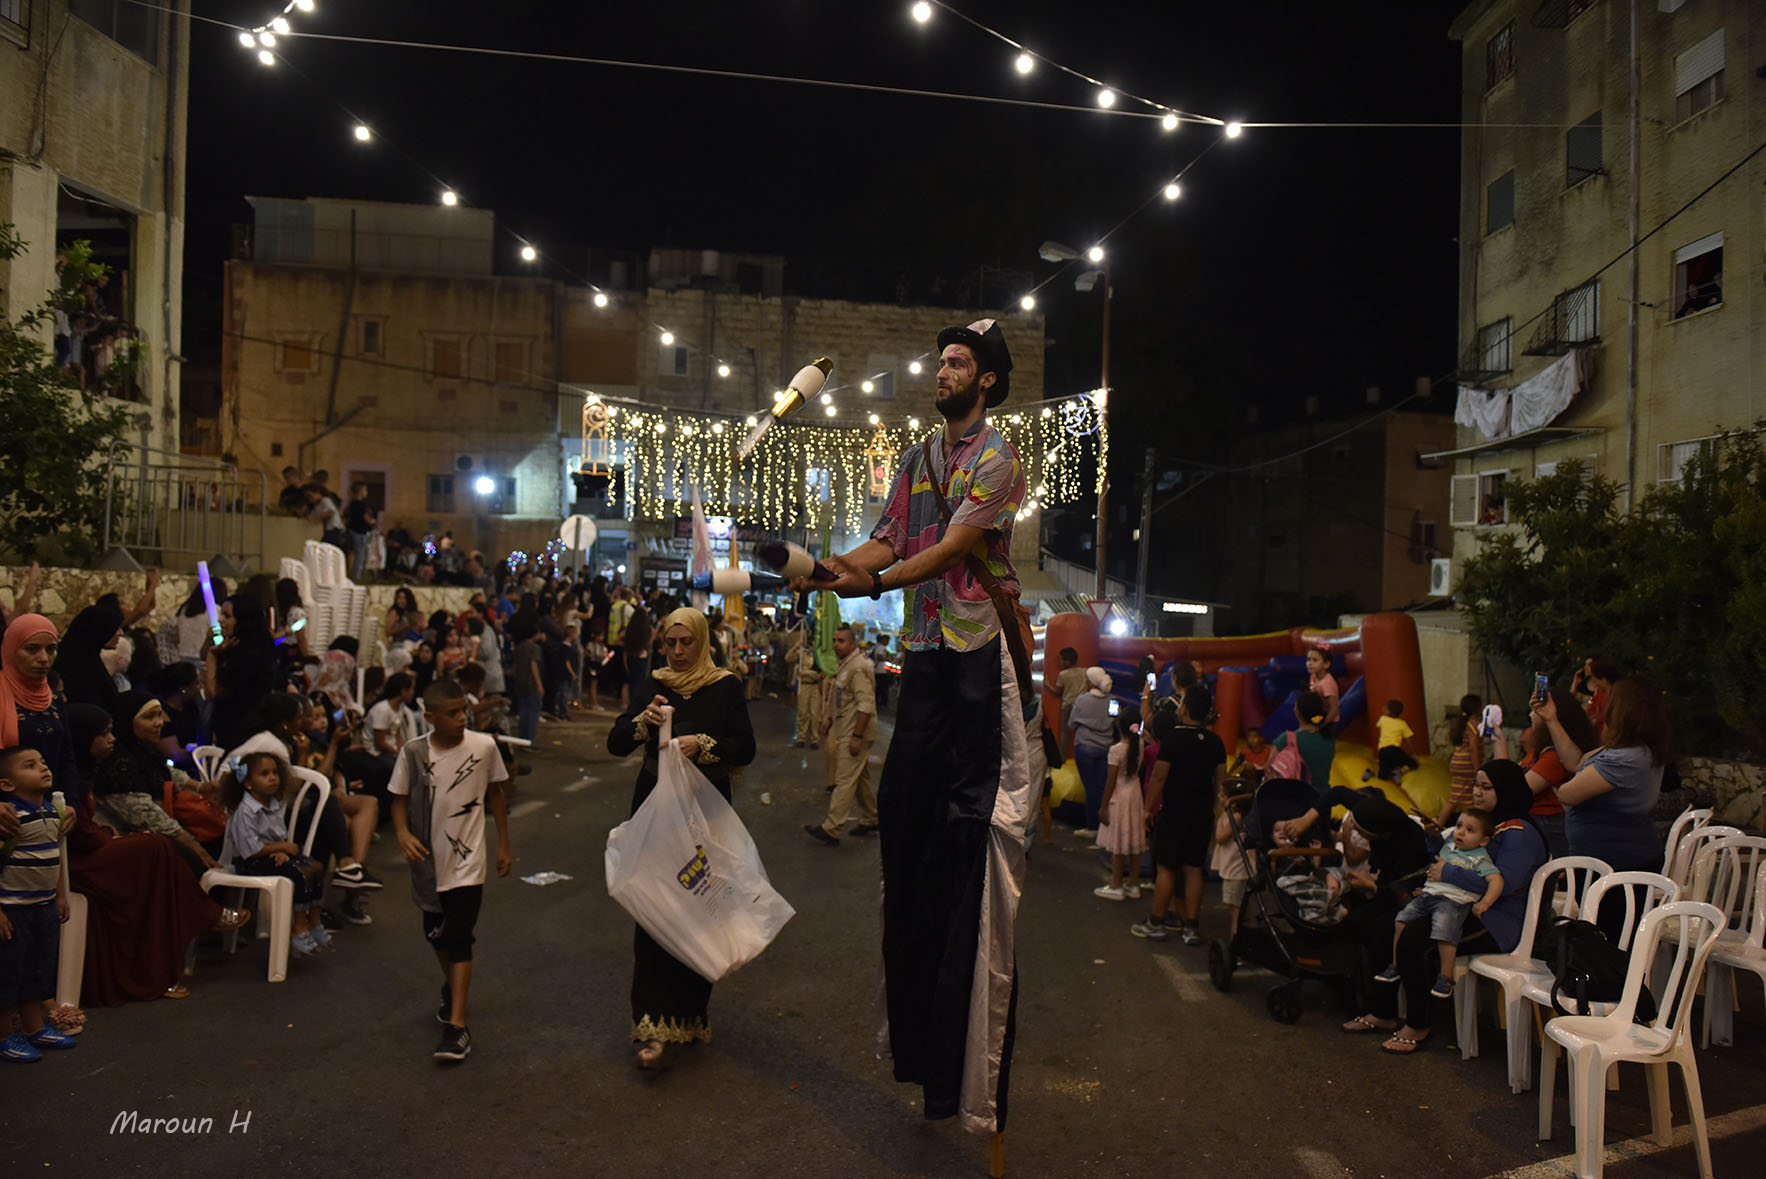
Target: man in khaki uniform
[[852, 729], [809, 689]]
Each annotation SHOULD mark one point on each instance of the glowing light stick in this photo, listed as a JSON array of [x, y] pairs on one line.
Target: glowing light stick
[[208, 599], [806, 384]]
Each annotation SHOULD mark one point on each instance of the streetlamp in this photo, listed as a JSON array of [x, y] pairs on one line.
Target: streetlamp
[[1053, 251]]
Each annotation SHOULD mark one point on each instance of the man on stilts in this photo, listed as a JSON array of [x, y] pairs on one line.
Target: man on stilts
[[955, 796]]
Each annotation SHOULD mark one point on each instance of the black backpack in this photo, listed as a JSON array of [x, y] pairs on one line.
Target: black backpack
[[1586, 967]]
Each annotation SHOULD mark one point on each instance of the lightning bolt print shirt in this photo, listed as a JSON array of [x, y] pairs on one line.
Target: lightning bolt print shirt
[[460, 780]]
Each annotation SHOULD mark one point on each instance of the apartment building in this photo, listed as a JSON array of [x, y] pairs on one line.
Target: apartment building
[[93, 98], [1611, 208]]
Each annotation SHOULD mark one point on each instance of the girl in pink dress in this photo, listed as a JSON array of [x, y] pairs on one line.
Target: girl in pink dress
[[1122, 819]]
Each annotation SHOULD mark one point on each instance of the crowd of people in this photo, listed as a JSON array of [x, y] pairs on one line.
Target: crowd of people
[[1417, 889]]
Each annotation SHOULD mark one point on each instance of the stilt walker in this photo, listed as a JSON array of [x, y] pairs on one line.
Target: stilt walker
[[955, 797]]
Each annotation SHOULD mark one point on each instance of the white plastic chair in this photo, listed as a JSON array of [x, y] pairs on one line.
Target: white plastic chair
[[1686, 821], [208, 760], [1728, 875], [309, 780], [1686, 852], [70, 962], [1568, 878], [1597, 1042], [278, 890]]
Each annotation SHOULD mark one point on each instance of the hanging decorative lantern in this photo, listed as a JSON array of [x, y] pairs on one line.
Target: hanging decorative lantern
[[880, 463]]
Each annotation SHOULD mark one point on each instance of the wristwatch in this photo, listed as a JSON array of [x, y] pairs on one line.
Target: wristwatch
[[876, 585]]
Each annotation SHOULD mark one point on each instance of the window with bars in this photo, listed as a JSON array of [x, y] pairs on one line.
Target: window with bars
[[1582, 151], [1698, 77], [1494, 346], [1499, 203], [1578, 313], [1499, 56]]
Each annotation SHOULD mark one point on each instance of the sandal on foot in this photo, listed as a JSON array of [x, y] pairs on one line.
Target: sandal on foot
[[1399, 1045], [655, 1055], [1370, 1023], [232, 919], [177, 991]]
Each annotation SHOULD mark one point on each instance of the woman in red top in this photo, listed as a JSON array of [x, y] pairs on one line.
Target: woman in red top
[[1545, 773]]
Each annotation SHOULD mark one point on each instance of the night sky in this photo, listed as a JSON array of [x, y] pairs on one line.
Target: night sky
[[1299, 261]]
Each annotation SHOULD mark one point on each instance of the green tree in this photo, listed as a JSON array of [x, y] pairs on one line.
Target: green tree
[[1676, 588], [53, 432]]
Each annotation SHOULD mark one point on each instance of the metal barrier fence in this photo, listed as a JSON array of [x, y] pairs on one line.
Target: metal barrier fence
[[176, 509]]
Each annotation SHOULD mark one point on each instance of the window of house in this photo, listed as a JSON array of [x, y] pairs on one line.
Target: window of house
[[440, 497], [1492, 497], [511, 360], [504, 503], [1494, 341], [297, 356], [1499, 203], [133, 26], [673, 362], [15, 20], [1698, 275], [1578, 313], [447, 358], [371, 333], [1582, 151], [1424, 541], [1698, 77], [1672, 458], [1499, 56]]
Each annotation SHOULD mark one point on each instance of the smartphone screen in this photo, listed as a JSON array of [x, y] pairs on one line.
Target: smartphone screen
[[1541, 687], [1115, 707], [1151, 680]]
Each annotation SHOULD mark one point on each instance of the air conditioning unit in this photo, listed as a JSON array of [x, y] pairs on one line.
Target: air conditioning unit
[[469, 464], [1440, 577]]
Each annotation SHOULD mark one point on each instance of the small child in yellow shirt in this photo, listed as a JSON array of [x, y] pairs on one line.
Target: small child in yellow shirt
[[1394, 732]]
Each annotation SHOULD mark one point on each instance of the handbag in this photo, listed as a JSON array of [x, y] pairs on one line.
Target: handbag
[[1586, 967], [193, 812]]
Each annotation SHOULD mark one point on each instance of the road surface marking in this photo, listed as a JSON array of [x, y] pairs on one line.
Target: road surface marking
[[1741, 1121], [528, 807], [1188, 983], [580, 784], [1319, 1164]]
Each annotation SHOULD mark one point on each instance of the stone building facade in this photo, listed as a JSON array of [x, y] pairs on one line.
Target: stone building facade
[[1587, 134], [93, 99]]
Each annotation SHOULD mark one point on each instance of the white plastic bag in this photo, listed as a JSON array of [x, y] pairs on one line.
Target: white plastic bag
[[687, 871]]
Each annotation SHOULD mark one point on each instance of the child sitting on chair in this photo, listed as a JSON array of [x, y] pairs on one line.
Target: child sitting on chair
[[1445, 905], [257, 841]]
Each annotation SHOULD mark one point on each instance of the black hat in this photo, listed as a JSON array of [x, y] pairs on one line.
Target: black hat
[[988, 343]]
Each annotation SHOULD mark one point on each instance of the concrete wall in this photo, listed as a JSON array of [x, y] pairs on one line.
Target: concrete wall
[[1694, 375], [101, 127]]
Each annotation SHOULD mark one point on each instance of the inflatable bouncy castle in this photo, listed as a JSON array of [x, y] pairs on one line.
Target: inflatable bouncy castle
[[1256, 678]]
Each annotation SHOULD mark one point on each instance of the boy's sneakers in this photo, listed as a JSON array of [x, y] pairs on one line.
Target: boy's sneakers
[[1190, 936], [48, 1037], [1108, 893], [1132, 891], [1087, 833], [16, 1047], [1152, 929], [1388, 975], [355, 876], [456, 1042], [1443, 988], [355, 911]]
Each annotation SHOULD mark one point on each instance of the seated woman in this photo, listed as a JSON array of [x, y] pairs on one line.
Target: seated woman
[[1545, 770], [129, 783], [1518, 850]]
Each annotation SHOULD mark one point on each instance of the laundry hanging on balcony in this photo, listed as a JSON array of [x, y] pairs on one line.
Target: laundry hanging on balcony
[[1536, 402]]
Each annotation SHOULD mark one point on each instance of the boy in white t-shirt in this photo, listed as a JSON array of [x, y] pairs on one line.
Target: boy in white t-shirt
[[441, 785]]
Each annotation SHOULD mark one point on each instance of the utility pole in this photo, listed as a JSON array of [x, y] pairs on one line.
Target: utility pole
[[1140, 577]]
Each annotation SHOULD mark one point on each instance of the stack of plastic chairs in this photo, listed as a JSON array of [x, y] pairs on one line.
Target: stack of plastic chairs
[[335, 605]]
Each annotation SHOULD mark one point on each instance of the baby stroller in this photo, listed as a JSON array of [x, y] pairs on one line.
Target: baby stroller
[[1297, 900]]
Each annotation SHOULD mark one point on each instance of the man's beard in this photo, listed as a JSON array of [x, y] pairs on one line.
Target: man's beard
[[958, 403]]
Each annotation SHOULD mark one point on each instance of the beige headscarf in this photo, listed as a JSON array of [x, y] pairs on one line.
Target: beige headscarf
[[703, 671]]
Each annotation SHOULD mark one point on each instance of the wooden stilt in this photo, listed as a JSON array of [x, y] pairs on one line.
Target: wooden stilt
[[996, 1156]]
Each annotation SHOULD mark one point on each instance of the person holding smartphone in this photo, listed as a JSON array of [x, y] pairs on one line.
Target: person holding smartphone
[[1092, 729]]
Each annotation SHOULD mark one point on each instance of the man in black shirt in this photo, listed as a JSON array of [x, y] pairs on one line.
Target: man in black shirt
[[358, 520]]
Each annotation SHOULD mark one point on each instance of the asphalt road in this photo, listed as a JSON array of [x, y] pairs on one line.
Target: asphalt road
[[1128, 1062]]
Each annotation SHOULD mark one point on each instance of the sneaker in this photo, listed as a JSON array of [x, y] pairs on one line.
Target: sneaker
[[1443, 988], [1388, 975], [820, 836], [16, 1047], [445, 1012], [48, 1037], [1151, 929], [1132, 891], [1173, 922], [355, 876], [1087, 833], [455, 1043], [1108, 893], [1190, 936], [356, 913]]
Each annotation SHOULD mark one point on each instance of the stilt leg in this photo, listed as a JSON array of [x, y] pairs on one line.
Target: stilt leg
[[996, 1156]]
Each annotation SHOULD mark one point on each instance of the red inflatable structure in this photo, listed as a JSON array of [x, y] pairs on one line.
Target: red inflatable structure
[[1376, 662]]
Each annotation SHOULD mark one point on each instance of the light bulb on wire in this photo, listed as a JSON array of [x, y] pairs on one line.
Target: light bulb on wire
[[875, 419], [449, 197], [600, 298], [265, 57], [922, 12], [1234, 130], [723, 370], [827, 399], [668, 338], [280, 25], [363, 135], [913, 423], [1025, 63], [247, 40], [528, 253], [304, 5], [1028, 302], [914, 367], [867, 387], [1106, 98], [266, 39], [1169, 122], [1173, 191], [1095, 254], [831, 411]]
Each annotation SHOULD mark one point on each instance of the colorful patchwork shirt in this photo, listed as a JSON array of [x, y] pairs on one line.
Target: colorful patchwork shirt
[[984, 484]]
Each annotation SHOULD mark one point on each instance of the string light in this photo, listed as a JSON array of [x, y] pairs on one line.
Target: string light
[[1106, 98], [875, 419], [828, 399], [1169, 122], [247, 40], [1028, 302], [868, 386], [922, 12], [528, 253], [600, 298], [265, 57], [1025, 63], [831, 411], [668, 338], [914, 367], [267, 39], [913, 423], [362, 133], [1095, 254], [1234, 130], [723, 370], [1173, 191], [449, 197], [280, 25]]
